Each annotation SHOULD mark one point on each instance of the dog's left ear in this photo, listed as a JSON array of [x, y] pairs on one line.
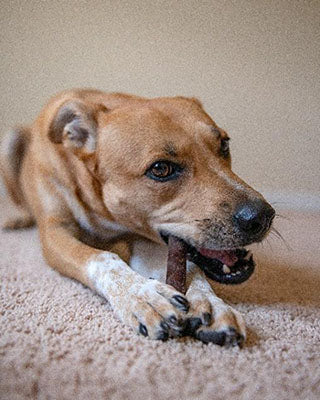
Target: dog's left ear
[[197, 101], [75, 126]]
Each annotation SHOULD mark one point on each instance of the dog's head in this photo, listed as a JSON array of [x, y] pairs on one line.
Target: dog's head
[[165, 169]]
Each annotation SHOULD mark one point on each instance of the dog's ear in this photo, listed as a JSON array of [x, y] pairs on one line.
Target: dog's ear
[[197, 101], [75, 126]]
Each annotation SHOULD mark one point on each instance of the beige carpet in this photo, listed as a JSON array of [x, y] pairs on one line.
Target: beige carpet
[[58, 340]]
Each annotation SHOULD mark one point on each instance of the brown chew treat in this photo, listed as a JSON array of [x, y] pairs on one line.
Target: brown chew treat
[[177, 264]]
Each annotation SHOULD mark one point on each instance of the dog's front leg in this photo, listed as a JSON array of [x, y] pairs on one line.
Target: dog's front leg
[[149, 307], [211, 320]]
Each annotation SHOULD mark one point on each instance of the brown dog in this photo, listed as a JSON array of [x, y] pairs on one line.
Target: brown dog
[[96, 170]]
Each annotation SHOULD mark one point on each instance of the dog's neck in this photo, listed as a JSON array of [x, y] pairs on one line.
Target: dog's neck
[[86, 184]]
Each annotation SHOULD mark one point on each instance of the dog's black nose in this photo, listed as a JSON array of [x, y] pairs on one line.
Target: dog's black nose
[[253, 218]]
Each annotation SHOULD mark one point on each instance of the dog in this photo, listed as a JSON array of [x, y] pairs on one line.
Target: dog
[[96, 171]]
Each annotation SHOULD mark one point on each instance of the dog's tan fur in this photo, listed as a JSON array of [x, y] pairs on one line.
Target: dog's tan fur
[[89, 195]]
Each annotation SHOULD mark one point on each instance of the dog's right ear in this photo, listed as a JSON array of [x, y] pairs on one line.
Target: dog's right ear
[[75, 126]]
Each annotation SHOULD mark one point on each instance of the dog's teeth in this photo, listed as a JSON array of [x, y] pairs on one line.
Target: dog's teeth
[[226, 269]]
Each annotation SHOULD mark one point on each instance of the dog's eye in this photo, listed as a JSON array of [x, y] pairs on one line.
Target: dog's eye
[[164, 171], [224, 147]]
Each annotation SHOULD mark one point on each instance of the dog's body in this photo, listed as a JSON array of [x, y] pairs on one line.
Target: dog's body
[[97, 170]]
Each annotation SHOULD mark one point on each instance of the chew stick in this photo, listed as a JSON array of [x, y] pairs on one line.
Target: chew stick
[[177, 264]]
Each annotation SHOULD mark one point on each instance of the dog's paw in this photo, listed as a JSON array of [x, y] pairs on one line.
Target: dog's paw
[[153, 309], [213, 321]]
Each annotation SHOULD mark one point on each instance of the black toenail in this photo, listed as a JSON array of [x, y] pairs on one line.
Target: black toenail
[[173, 319], [183, 303], [227, 338], [191, 325], [143, 330], [207, 318], [164, 326], [240, 340], [164, 333], [218, 338]]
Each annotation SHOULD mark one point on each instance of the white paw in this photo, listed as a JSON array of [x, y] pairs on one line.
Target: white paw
[[153, 309], [212, 320]]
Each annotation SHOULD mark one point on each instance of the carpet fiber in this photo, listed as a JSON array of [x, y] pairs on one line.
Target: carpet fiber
[[58, 340]]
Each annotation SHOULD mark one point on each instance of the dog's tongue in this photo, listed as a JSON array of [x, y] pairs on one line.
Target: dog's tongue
[[227, 257]]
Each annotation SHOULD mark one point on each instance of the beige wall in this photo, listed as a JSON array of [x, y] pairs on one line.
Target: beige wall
[[254, 63]]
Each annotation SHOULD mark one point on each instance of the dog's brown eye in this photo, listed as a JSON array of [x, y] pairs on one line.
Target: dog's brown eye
[[224, 147], [163, 171]]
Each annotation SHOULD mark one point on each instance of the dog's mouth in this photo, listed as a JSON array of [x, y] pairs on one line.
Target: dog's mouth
[[224, 266], [231, 266]]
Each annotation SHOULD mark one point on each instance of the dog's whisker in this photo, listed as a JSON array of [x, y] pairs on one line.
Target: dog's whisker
[[269, 244], [278, 202], [277, 234], [283, 217]]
